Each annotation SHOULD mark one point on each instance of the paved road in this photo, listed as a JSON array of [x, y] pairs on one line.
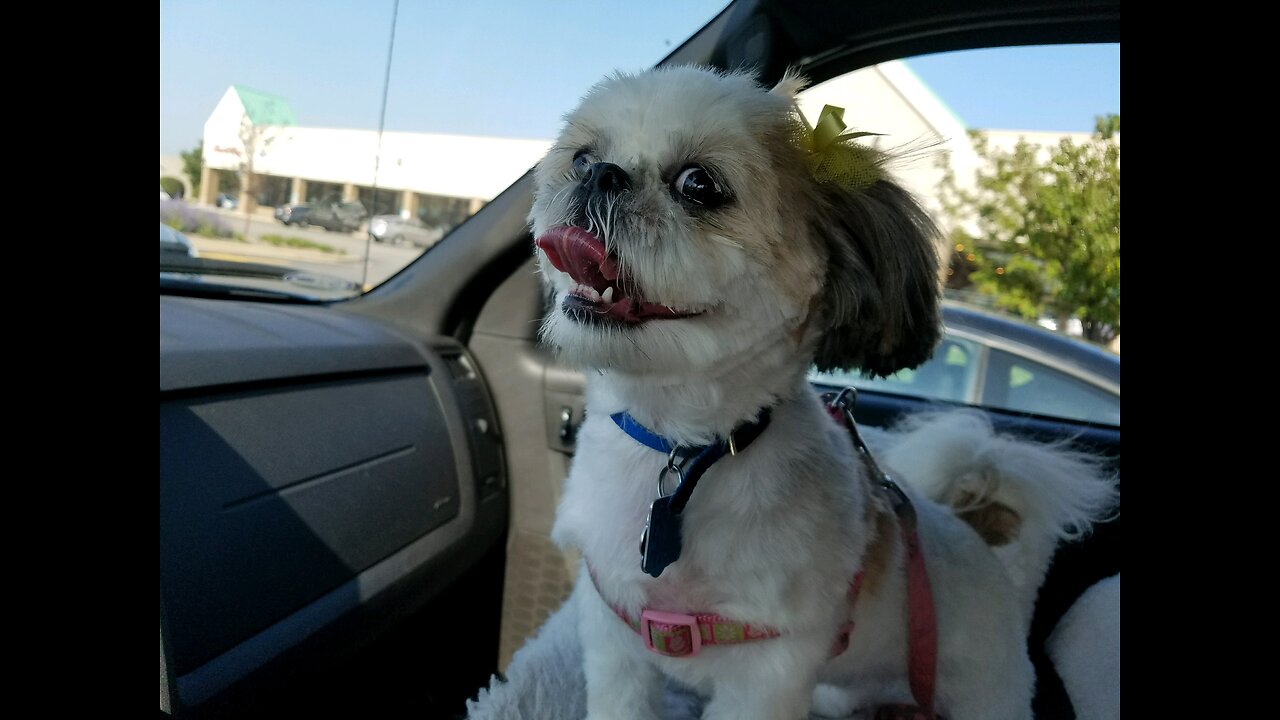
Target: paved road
[[349, 264]]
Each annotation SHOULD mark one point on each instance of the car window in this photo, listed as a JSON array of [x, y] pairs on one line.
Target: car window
[[425, 111], [1015, 383], [949, 375], [1022, 176]]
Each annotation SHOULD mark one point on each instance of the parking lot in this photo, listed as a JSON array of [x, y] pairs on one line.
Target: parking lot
[[347, 261]]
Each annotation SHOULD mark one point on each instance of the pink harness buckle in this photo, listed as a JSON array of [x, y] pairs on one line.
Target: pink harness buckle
[[677, 634]]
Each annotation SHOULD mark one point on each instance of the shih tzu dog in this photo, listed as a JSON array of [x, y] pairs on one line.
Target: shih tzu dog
[[705, 247]]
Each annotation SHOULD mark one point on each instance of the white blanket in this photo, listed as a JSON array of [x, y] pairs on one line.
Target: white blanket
[[1085, 649]]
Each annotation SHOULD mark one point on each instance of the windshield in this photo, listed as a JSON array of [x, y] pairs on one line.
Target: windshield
[[289, 131]]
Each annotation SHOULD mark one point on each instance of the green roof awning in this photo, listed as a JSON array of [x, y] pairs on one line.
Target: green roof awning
[[265, 108]]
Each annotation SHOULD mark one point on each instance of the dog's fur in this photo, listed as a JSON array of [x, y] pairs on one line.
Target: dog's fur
[[787, 273]]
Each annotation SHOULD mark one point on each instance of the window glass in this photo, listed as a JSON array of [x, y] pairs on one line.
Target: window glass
[[1015, 153], [1015, 383], [949, 375], [273, 124]]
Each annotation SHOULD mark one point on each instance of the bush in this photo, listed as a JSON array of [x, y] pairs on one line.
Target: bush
[[182, 217], [172, 185]]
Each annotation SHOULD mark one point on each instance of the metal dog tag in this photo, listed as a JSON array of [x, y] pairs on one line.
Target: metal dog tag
[[660, 542]]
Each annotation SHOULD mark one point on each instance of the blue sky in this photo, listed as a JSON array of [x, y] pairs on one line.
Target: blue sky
[[513, 68]]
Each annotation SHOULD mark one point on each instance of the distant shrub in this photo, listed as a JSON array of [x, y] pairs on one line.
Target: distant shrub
[[172, 185], [184, 218]]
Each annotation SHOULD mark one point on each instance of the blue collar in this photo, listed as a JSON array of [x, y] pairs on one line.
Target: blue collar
[[642, 434], [661, 541], [738, 440], [693, 460]]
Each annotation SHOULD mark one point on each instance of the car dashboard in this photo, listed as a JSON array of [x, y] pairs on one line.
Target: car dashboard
[[312, 464]]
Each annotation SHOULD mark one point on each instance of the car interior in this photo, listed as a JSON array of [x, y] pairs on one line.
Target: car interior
[[356, 497]]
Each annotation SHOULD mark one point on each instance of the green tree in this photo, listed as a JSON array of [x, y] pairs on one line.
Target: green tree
[[171, 185], [1047, 231], [193, 165]]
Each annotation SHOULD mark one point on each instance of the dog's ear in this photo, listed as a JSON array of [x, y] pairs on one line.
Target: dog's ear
[[879, 303]]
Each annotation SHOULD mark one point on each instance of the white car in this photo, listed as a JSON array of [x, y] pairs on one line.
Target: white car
[[398, 231]]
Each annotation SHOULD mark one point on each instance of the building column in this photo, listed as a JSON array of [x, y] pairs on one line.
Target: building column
[[476, 204], [298, 193], [409, 204], [208, 185], [350, 193]]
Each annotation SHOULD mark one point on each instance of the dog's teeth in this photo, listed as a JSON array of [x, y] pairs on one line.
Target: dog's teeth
[[608, 294]]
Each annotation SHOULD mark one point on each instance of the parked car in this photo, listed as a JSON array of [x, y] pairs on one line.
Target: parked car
[[164, 195], [293, 214], [172, 241], [397, 231], [226, 201], [334, 215], [998, 362]]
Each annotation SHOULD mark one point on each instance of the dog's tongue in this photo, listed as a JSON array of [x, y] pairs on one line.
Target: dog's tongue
[[581, 254]]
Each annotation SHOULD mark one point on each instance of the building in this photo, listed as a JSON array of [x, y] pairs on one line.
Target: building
[[442, 179], [892, 100]]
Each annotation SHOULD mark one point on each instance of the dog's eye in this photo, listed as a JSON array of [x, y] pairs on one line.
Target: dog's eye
[[582, 160], [694, 184]]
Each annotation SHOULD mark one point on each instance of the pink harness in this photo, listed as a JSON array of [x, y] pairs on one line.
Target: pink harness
[[684, 635], [681, 635]]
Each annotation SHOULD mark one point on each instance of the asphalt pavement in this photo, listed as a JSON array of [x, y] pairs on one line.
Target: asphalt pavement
[[348, 263]]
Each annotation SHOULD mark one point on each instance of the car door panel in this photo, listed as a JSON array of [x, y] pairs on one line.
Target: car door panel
[[531, 390], [565, 389]]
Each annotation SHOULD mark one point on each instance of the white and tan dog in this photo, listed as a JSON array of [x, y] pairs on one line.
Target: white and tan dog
[[700, 266]]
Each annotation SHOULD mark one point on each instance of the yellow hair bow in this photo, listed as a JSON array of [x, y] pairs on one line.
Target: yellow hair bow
[[833, 157]]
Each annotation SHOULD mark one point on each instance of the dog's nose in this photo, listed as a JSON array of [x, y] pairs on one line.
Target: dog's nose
[[605, 177]]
